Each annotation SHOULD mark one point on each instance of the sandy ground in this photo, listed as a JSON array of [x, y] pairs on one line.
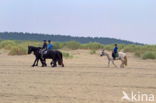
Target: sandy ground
[[84, 79]]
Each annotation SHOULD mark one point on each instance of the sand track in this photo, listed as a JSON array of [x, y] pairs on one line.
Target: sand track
[[84, 79]]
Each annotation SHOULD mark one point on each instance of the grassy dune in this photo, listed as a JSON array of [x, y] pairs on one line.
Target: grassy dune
[[20, 47]]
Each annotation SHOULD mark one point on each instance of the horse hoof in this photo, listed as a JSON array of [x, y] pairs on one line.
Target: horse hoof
[[54, 66], [62, 65], [33, 65]]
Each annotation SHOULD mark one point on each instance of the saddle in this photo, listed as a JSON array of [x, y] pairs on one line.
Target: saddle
[[115, 55], [43, 51]]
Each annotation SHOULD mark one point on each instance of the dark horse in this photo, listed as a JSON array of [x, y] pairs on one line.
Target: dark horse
[[55, 55]]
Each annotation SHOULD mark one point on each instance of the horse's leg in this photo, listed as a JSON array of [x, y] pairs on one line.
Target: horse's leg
[[122, 64], [114, 63], [45, 62], [34, 62], [54, 63], [108, 63], [62, 63], [51, 62], [42, 62], [37, 62]]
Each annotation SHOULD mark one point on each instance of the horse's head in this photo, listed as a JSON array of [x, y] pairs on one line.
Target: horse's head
[[30, 49], [102, 53], [33, 49]]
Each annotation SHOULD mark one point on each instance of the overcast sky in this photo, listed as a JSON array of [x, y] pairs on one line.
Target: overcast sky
[[133, 20]]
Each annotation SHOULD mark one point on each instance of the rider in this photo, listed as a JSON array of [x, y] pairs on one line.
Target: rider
[[44, 48], [115, 52], [49, 46], [44, 45]]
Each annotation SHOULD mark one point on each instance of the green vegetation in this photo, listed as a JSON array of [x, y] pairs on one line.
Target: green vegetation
[[72, 45], [20, 47], [18, 51], [149, 55], [92, 46], [92, 51], [58, 45], [7, 44], [144, 52], [17, 47], [67, 55]]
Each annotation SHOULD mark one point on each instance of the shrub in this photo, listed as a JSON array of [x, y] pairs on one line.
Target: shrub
[[67, 55], [130, 48], [92, 46], [31, 43], [18, 50], [72, 45], [93, 52], [138, 54], [58, 45], [149, 55], [109, 47], [7, 44]]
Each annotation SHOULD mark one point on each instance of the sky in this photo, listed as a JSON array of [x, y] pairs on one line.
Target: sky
[[133, 20]]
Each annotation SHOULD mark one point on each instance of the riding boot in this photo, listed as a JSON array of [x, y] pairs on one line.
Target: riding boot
[[42, 56]]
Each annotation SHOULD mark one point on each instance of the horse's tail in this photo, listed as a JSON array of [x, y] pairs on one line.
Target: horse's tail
[[125, 60], [61, 60]]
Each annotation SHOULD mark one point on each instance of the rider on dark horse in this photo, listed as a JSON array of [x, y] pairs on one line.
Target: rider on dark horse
[[55, 55], [47, 52], [115, 52], [44, 45], [44, 48], [49, 46]]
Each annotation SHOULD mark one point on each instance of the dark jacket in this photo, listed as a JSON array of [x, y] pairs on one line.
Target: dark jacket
[[44, 46]]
